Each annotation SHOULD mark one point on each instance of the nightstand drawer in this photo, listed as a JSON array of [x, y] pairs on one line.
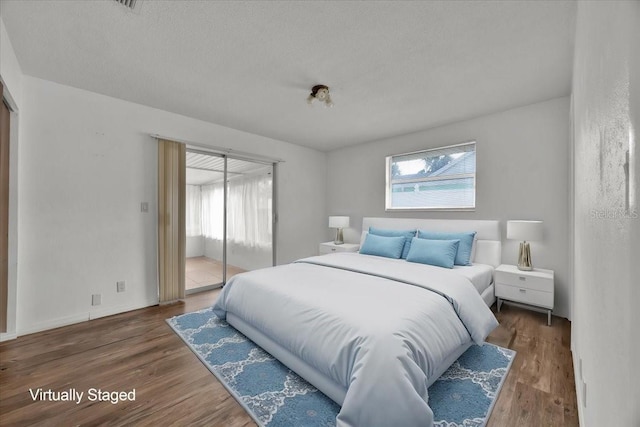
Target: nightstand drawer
[[324, 249], [330, 247], [528, 281], [525, 295]]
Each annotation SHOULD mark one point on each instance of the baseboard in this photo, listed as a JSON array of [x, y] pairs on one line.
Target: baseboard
[[54, 323], [202, 289], [578, 383], [84, 317], [110, 311], [7, 336]]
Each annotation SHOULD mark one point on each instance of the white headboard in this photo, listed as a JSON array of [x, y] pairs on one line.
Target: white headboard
[[488, 244]]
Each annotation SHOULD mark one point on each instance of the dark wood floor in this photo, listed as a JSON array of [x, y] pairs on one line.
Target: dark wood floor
[[540, 388], [138, 350]]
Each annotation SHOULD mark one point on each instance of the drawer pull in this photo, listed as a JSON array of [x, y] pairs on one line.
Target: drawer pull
[[522, 278], [524, 291]]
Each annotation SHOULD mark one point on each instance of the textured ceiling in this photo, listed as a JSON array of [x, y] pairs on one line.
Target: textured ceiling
[[393, 67]]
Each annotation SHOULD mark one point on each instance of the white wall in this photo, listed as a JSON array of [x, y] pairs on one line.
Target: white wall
[[86, 163], [9, 67], [606, 109], [194, 246], [11, 76], [522, 173]]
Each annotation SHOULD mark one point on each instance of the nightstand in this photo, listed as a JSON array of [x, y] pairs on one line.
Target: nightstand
[[330, 247], [534, 288]]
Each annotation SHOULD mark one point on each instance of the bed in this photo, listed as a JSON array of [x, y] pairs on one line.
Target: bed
[[372, 333], [486, 253]]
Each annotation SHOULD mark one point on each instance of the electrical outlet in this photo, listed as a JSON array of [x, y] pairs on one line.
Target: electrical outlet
[[121, 286], [96, 299], [144, 207]]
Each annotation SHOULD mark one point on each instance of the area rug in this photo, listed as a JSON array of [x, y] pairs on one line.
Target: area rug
[[275, 396]]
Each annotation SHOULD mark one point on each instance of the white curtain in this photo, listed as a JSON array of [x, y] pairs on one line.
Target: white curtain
[[212, 211], [194, 211], [249, 210]]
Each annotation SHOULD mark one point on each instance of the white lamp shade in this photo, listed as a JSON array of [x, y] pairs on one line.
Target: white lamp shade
[[338, 221], [524, 230]]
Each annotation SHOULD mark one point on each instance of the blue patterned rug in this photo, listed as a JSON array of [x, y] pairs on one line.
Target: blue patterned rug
[[275, 396]]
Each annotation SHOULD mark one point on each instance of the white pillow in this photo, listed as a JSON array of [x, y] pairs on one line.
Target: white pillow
[[363, 236], [473, 250]]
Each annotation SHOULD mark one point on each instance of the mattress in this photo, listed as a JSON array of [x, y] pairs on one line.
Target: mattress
[[481, 275]]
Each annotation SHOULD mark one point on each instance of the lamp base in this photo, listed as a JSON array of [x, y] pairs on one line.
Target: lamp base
[[339, 237], [524, 257]]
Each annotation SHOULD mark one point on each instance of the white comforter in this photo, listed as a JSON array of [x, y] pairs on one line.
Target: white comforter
[[379, 327]]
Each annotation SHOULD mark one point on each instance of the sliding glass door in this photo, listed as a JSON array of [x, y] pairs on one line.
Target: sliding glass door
[[249, 216], [229, 218]]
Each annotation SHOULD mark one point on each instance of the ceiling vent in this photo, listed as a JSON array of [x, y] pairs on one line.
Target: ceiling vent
[[128, 3]]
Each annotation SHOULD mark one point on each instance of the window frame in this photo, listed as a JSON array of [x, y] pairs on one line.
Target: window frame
[[389, 182]]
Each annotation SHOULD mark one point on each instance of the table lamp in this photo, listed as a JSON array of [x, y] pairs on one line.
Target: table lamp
[[524, 231], [338, 222]]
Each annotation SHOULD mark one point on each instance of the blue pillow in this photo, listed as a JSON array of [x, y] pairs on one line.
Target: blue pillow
[[390, 247], [463, 257], [407, 234], [441, 253]]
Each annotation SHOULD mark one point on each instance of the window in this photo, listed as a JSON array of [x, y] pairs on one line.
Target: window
[[441, 178]]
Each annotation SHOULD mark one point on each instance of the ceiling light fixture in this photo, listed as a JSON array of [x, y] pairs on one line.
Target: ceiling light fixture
[[128, 3], [321, 93]]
